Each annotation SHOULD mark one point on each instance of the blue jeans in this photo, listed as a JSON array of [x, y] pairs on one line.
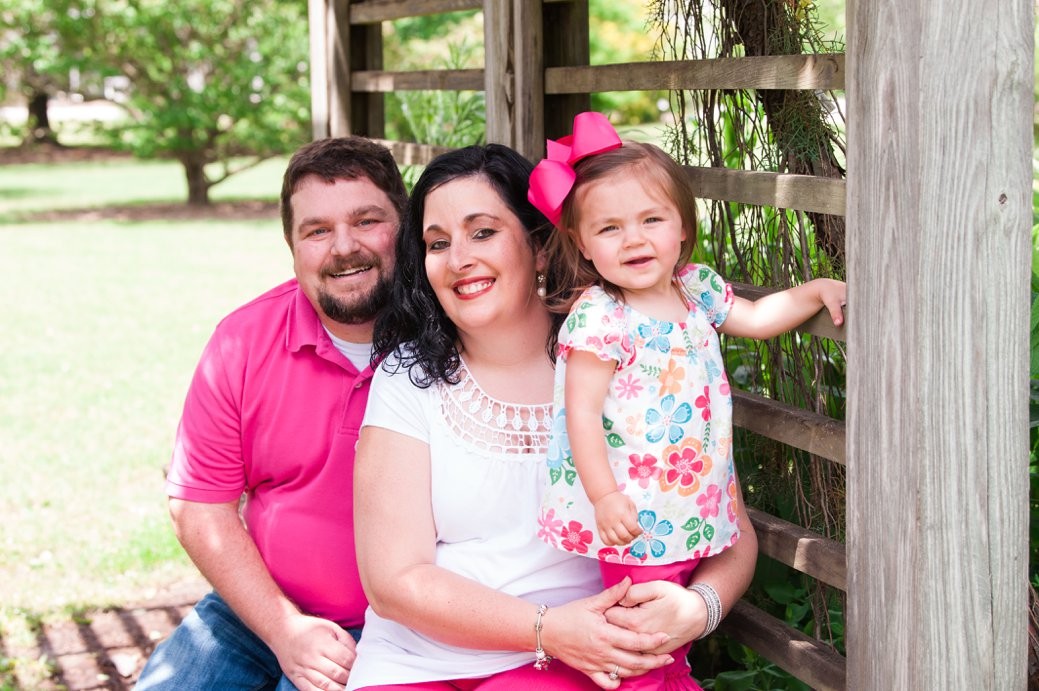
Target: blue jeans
[[213, 649]]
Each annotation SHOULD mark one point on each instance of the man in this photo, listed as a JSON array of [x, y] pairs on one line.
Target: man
[[273, 412]]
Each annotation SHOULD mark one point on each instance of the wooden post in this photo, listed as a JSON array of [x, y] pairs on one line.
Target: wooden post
[[329, 68], [529, 89], [566, 45], [367, 112], [498, 31], [939, 142]]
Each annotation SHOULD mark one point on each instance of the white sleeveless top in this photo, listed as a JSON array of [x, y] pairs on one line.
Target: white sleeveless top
[[487, 462]]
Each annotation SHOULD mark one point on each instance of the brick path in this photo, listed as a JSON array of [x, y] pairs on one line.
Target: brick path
[[106, 649]]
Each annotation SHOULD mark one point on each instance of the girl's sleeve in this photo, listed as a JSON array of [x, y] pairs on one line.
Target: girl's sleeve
[[709, 291], [395, 403], [596, 324]]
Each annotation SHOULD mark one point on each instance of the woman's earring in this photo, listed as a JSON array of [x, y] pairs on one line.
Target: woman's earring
[[541, 286]]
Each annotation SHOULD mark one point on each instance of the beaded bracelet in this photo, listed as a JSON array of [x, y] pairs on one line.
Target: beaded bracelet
[[714, 607], [541, 658]]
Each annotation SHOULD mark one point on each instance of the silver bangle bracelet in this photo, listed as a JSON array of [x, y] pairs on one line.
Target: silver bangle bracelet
[[714, 607], [541, 658]]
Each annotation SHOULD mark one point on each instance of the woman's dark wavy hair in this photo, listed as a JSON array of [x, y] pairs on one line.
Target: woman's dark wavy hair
[[414, 326]]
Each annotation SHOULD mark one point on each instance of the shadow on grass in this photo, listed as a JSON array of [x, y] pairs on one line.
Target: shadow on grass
[[227, 210]]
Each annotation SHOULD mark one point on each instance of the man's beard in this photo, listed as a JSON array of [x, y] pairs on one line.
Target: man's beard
[[358, 309]]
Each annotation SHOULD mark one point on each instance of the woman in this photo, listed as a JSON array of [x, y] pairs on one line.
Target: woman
[[463, 593]]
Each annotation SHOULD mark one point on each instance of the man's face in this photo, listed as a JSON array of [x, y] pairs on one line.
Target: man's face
[[342, 246]]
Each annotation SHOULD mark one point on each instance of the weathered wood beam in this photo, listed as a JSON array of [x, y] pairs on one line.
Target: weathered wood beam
[[801, 549], [817, 434], [940, 107], [822, 71], [808, 659], [782, 190]]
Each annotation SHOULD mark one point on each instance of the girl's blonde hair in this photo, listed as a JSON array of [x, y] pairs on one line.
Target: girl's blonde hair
[[645, 162]]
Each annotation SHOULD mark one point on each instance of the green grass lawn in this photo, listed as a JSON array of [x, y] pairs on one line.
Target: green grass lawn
[[101, 327]]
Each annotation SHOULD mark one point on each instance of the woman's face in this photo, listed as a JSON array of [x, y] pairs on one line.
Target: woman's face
[[479, 259]]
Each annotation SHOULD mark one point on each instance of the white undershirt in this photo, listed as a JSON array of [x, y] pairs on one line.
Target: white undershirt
[[359, 354]]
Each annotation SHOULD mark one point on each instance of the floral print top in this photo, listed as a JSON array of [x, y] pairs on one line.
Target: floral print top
[[667, 422]]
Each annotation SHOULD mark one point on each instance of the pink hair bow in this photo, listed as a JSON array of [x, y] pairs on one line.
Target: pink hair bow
[[554, 177]]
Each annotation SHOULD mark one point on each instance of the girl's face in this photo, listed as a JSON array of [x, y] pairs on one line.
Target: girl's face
[[631, 232], [478, 257]]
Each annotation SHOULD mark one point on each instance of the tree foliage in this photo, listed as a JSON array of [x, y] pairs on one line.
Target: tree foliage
[[32, 60], [218, 85]]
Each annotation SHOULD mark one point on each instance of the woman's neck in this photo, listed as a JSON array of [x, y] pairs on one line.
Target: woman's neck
[[512, 364]]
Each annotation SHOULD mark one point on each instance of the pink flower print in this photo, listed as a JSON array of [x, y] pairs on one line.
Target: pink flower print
[[628, 387], [611, 555], [549, 527], [594, 343], [643, 469], [563, 350], [709, 501], [723, 388], [705, 403], [671, 377], [684, 466], [575, 538]]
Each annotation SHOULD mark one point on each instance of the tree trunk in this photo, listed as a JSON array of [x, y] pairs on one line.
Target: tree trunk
[[39, 121], [198, 185], [794, 117]]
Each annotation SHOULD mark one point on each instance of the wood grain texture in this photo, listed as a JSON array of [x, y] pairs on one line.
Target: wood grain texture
[[817, 434], [808, 659], [412, 154], [498, 84], [377, 81], [782, 190], [822, 71], [808, 552], [939, 142], [528, 58], [375, 11]]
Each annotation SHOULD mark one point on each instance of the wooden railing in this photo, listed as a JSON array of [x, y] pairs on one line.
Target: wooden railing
[[535, 78]]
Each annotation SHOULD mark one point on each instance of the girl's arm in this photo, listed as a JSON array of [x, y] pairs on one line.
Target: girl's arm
[[395, 556], [666, 606], [780, 312], [587, 384]]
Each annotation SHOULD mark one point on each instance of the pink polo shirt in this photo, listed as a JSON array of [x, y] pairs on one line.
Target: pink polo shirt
[[274, 411]]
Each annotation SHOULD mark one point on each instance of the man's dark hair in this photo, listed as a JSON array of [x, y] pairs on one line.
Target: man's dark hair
[[414, 325], [342, 158]]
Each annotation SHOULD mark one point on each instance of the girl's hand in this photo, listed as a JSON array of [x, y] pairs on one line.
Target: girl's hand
[[661, 606], [579, 635], [617, 518], [834, 296]]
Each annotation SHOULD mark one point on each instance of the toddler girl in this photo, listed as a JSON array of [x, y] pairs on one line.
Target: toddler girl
[[640, 472]]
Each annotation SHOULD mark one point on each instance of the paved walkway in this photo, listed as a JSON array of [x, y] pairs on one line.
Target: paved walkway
[[107, 649]]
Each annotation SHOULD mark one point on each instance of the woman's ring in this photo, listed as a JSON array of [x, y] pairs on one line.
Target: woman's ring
[[615, 674]]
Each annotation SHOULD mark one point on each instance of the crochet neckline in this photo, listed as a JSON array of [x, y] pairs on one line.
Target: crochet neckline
[[489, 425]]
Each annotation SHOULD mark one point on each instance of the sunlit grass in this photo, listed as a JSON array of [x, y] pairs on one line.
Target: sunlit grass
[[101, 327]]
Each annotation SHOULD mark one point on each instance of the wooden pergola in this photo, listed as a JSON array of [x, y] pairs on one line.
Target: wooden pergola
[[938, 208]]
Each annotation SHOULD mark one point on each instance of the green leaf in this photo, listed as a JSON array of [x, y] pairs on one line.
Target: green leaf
[[708, 531], [614, 440], [554, 474], [570, 476], [692, 540], [692, 524], [607, 423]]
